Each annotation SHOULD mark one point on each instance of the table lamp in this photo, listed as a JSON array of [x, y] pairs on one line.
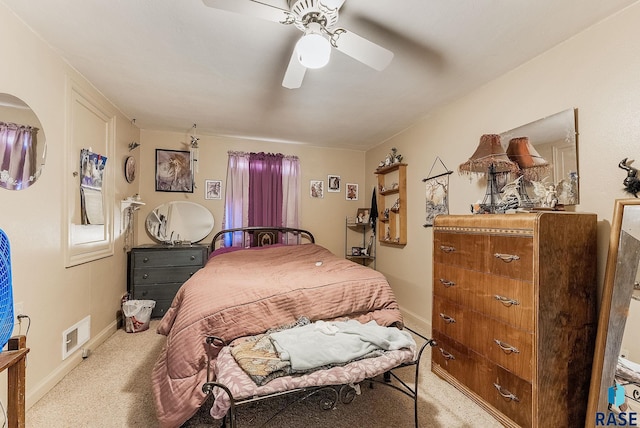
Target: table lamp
[[490, 159]]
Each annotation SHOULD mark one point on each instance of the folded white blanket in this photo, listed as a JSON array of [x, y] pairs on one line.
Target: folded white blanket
[[324, 343]]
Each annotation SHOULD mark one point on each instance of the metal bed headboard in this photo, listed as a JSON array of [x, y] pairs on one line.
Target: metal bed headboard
[[258, 236]]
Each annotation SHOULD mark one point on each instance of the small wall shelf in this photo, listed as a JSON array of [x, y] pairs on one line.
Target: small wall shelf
[[392, 204], [360, 236]]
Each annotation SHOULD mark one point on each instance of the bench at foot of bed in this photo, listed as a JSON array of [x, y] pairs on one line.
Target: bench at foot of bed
[[337, 384]]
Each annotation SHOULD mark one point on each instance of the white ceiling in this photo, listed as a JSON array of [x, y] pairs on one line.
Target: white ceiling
[[174, 63]]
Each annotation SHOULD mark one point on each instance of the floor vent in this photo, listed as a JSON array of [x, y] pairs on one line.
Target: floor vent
[[75, 336]]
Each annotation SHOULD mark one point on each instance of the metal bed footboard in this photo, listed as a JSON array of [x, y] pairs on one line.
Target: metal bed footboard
[[343, 393]]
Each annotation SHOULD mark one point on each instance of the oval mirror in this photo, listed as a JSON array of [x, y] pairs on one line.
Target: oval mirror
[[179, 222], [22, 144]]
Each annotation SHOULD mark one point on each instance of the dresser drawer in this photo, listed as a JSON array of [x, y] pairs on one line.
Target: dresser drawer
[[508, 300], [449, 318], [508, 393], [461, 250], [501, 343], [162, 275], [459, 285], [511, 256], [452, 357], [170, 257]]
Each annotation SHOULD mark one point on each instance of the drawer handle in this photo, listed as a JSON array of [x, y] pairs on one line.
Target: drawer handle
[[506, 394], [508, 349], [191, 274], [144, 293], [146, 259], [447, 249], [447, 318], [193, 257], [505, 300], [446, 355], [145, 276], [507, 258], [447, 283]]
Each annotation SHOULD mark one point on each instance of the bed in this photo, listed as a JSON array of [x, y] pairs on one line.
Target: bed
[[273, 278]]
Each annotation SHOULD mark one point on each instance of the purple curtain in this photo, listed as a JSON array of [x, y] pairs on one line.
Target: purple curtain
[[17, 155], [265, 189]]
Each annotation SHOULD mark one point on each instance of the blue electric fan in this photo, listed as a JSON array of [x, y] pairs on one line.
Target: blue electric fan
[[6, 295]]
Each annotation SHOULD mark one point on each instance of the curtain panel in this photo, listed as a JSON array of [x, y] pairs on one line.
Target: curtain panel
[[17, 155], [262, 189]]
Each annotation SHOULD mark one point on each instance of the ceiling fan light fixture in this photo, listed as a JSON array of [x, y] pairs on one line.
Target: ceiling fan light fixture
[[313, 50]]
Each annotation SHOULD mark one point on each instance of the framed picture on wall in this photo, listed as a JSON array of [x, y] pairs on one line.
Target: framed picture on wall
[[333, 183], [173, 171], [316, 188], [213, 189], [352, 192]]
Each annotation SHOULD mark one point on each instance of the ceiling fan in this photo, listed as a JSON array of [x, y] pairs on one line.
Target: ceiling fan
[[318, 20]]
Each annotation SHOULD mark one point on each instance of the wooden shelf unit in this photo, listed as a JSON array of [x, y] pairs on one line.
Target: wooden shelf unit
[[392, 230]]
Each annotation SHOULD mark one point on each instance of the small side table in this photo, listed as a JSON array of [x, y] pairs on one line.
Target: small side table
[[14, 361]]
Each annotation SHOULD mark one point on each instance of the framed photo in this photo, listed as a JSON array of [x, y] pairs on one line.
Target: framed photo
[[352, 192], [363, 215], [173, 171], [333, 183], [316, 189], [356, 251], [212, 189], [130, 169]]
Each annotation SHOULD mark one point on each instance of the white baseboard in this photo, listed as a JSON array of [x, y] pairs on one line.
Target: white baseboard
[[35, 393]]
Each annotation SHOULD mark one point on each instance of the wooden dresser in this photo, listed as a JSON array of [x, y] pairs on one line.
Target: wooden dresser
[[157, 271], [514, 313]]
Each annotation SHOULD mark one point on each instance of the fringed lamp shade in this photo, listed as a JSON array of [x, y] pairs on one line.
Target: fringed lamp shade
[[532, 166], [489, 153]]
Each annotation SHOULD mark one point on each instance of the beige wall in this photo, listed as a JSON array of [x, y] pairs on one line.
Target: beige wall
[[55, 297], [596, 72], [324, 217]]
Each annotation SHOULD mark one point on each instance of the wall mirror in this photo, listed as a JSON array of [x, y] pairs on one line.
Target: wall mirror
[[615, 380], [179, 222], [554, 138], [22, 144]]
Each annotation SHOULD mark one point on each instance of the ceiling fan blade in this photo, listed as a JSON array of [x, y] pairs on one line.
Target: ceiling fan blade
[[252, 8], [295, 72], [365, 51]]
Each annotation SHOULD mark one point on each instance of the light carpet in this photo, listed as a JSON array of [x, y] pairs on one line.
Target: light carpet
[[111, 389]]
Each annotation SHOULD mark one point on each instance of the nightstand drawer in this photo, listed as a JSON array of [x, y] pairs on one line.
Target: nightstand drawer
[[170, 257], [156, 291], [163, 275]]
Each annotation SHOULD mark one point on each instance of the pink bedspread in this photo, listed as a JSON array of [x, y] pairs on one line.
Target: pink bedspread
[[245, 293]]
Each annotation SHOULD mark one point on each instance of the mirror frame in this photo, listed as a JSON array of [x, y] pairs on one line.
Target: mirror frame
[[616, 299]]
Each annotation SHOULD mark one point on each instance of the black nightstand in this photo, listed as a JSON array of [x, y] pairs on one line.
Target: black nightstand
[[156, 272]]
